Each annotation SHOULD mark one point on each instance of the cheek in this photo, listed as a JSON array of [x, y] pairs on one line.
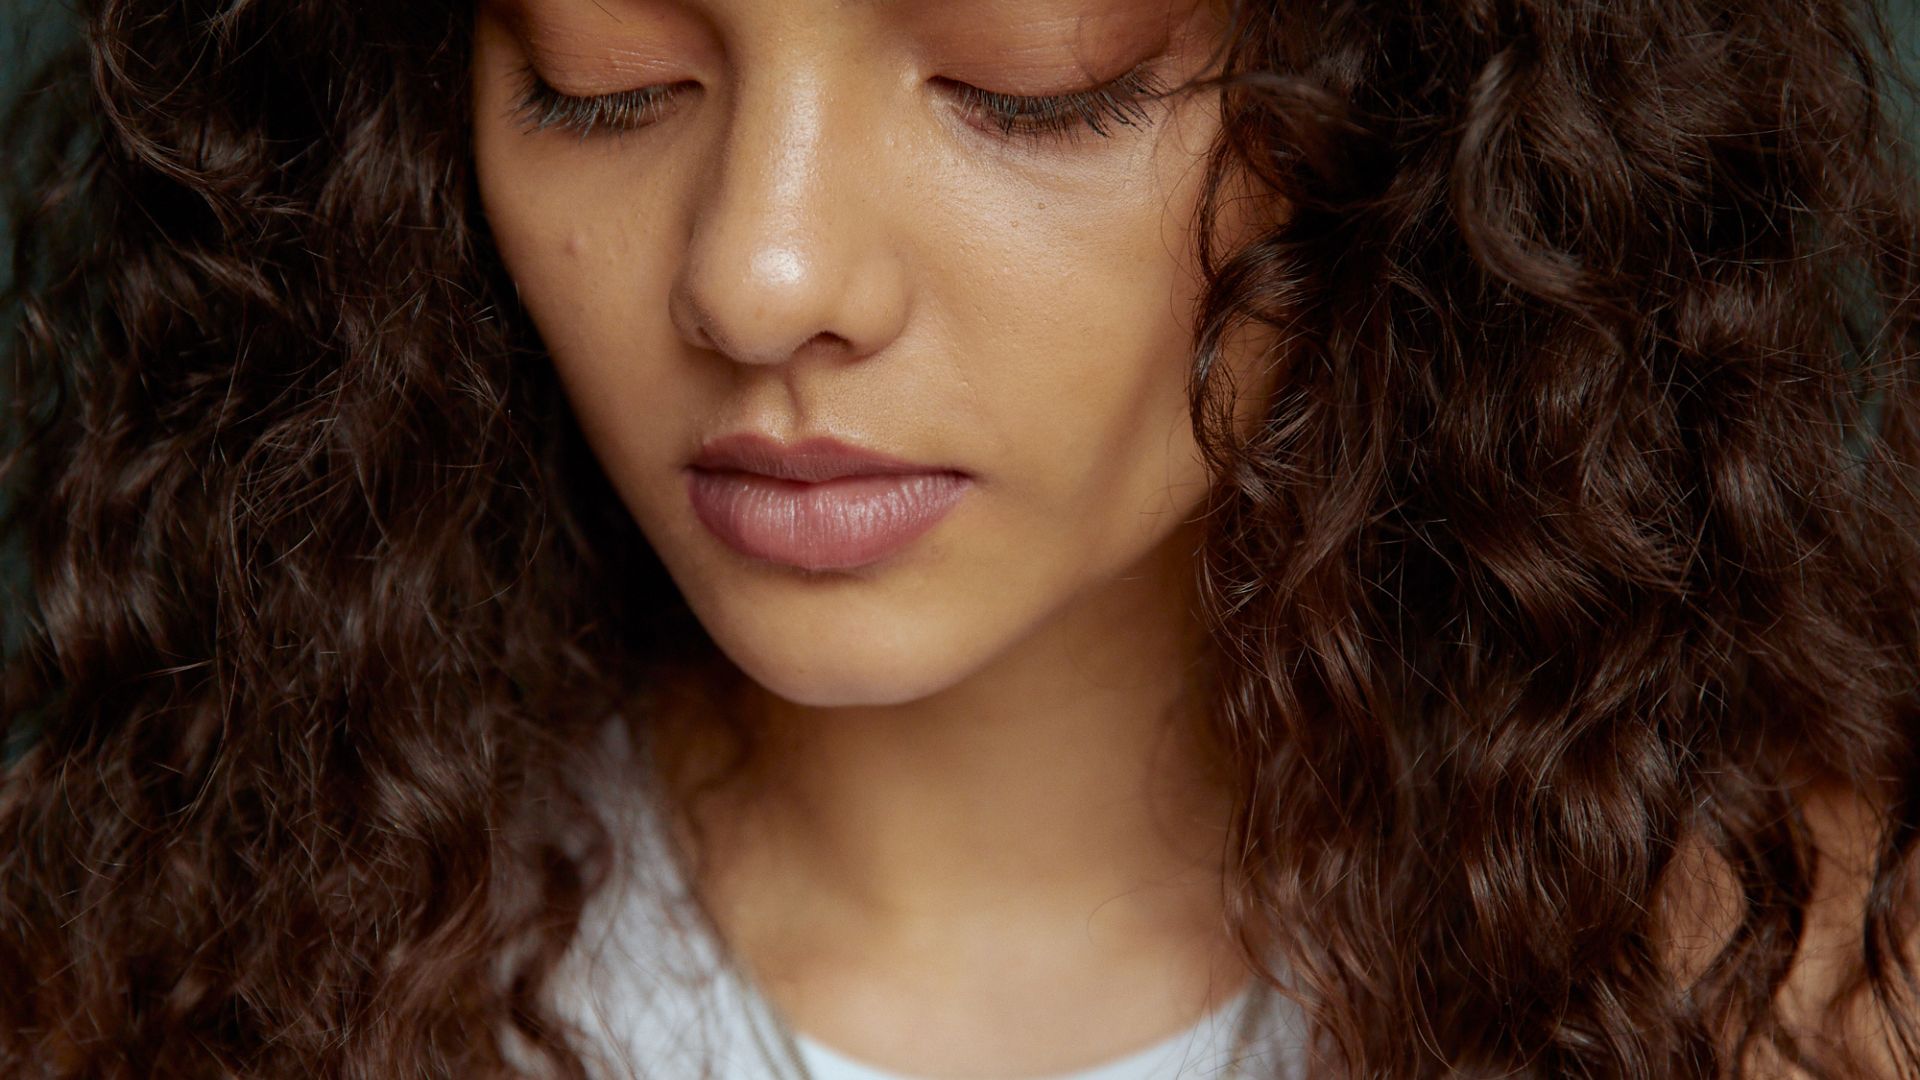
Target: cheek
[[578, 230], [595, 283], [1081, 337], [568, 240]]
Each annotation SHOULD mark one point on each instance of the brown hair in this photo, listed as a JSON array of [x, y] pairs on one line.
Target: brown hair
[[1579, 529]]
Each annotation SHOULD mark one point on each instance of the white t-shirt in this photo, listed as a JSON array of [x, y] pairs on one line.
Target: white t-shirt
[[653, 994]]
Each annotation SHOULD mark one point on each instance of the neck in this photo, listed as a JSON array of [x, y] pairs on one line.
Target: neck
[[1067, 791]]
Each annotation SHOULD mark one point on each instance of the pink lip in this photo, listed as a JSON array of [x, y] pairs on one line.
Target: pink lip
[[818, 504]]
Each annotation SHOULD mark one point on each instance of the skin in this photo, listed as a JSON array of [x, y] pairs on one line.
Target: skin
[[985, 834]]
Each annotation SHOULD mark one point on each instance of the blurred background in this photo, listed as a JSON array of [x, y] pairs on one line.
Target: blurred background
[[28, 30]]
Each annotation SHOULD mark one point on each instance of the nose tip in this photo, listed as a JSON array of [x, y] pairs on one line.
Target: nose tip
[[703, 331], [778, 267], [769, 312], [782, 303]]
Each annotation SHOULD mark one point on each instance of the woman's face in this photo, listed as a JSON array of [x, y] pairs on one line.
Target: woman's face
[[878, 314]]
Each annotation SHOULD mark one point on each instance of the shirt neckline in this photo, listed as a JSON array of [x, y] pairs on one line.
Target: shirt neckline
[[1206, 1035]]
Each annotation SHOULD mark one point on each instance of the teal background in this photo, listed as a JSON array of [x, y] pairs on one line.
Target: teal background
[[28, 30]]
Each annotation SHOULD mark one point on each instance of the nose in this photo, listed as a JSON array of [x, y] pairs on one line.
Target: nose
[[789, 250]]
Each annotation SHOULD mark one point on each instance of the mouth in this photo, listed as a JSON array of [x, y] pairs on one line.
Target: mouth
[[819, 504]]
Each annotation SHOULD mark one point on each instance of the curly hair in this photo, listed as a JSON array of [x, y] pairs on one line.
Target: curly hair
[[1576, 539]]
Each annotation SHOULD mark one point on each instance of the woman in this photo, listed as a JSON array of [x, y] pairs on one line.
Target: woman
[[1375, 539]]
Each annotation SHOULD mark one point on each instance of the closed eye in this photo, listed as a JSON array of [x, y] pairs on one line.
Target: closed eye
[[540, 107], [1122, 102]]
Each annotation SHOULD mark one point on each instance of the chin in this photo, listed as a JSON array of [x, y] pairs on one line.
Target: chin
[[828, 669]]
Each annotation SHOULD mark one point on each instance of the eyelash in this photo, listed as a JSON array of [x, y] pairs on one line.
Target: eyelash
[[541, 106], [1122, 101]]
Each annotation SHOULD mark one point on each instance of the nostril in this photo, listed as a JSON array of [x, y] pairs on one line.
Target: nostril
[[693, 322], [825, 339]]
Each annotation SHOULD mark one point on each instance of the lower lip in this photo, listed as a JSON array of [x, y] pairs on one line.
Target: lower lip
[[834, 525]]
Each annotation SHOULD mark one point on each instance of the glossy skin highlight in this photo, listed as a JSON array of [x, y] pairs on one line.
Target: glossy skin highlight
[[814, 236]]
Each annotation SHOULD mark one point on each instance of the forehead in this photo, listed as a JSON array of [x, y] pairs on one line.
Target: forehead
[[1037, 37]]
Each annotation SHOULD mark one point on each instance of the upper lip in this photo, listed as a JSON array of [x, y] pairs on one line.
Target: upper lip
[[813, 461]]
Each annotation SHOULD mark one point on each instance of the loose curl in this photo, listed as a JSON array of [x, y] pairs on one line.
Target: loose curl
[[1574, 545]]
